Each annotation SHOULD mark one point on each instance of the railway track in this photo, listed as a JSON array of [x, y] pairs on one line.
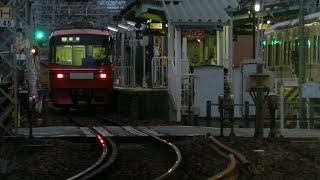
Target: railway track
[[108, 155], [162, 157], [236, 161]]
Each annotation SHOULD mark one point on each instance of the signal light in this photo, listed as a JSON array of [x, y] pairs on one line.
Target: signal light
[[34, 51], [39, 37]]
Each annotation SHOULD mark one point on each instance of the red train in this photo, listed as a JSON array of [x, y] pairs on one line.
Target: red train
[[81, 68]]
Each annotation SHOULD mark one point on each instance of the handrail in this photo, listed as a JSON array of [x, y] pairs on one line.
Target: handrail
[[159, 71]]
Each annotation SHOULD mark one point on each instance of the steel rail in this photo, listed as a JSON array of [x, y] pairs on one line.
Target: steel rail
[[229, 172], [177, 163], [237, 155], [99, 165]]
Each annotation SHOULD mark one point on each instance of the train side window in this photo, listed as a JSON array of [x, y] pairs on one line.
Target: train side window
[[285, 53], [314, 50], [270, 55], [318, 50], [278, 54], [289, 52]]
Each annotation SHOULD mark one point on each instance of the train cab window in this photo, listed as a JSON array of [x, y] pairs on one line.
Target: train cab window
[[82, 50]]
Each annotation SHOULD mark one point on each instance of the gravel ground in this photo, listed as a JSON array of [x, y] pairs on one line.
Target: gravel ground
[[140, 160], [284, 159], [47, 158], [199, 160]]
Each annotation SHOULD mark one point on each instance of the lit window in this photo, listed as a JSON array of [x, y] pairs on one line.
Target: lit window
[[70, 38], [64, 39]]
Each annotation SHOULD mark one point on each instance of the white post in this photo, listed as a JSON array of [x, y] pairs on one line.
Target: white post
[[185, 64], [230, 52], [170, 54], [177, 44], [281, 109], [218, 48]]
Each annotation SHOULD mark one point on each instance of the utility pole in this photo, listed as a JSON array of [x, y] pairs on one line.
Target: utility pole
[[302, 48], [253, 13]]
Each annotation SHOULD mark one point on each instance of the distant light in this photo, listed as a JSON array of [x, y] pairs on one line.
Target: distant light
[[70, 38], [33, 51], [112, 29], [64, 39], [123, 26], [268, 22], [131, 23], [198, 40], [257, 7], [249, 12]]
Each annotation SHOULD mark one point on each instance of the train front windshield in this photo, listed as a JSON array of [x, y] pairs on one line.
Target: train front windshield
[[81, 50]]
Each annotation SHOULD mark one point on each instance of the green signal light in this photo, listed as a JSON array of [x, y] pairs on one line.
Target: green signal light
[[39, 35]]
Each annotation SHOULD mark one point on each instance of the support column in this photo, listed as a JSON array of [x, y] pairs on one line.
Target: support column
[[122, 66], [170, 54], [177, 44], [219, 48], [259, 104]]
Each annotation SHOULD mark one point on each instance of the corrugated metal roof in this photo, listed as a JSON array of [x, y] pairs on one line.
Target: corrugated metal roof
[[202, 12]]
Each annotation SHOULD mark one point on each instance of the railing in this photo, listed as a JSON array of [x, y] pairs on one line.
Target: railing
[[159, 72], [187, 90], [124, 76]]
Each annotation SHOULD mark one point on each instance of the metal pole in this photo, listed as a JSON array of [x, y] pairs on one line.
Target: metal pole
[[253, 29], [281, 109], [301, 62], [144, 83], [259, 105], [15, 80]]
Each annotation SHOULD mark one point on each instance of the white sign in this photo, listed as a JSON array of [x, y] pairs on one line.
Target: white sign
[[7, 23], [311, 90], [5, 12], [21, 57]]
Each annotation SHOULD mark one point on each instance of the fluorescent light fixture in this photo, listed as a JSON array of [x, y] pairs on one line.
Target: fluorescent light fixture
[[131, 23], [257, 7], [112, 29], [123, 26]]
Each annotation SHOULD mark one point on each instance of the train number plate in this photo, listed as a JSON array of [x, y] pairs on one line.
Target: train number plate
[[81, 76]]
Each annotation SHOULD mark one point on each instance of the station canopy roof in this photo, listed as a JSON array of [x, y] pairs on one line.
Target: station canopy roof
[[182, 12], [199, 12]]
